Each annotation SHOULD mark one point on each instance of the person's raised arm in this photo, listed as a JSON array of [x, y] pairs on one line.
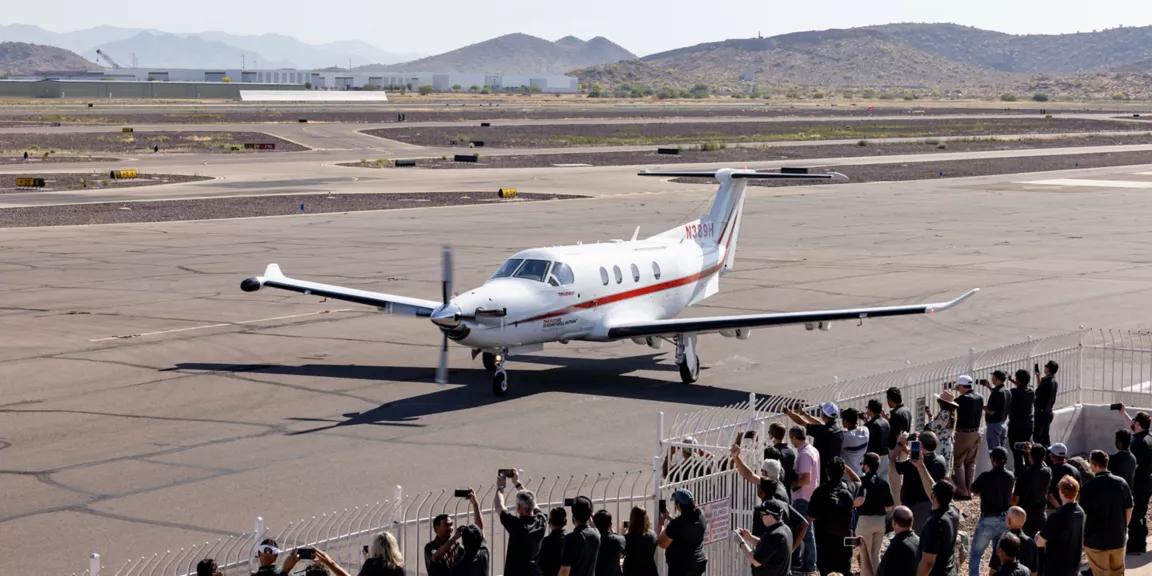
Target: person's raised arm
[[479, 518], [449, 545], [741, 468], [319, 556], [852, 474], [1125, 416], [746, 548], [290, 563], [925, 478], [796, 416], [663, 540]]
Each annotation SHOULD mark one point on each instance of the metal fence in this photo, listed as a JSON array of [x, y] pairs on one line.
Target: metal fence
[[1096, 366]]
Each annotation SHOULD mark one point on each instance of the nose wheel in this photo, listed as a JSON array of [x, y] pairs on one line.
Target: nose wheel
[[500, 383], [494, 362], [686, 358]]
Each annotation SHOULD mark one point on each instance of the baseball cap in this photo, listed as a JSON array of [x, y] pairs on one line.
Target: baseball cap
[[964, 380], [829, 409], [683, 497], [771, 508], [1059, 449], [268, 546], [1000, 375], [999, 454]]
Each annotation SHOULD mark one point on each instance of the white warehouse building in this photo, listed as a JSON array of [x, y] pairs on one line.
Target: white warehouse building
[[550, 83]]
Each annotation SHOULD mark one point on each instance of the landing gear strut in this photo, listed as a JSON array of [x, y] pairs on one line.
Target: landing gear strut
[[500, 378], [489, 360], [686, 358]]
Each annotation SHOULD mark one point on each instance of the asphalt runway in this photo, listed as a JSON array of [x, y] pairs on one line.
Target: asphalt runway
[[148, 404]]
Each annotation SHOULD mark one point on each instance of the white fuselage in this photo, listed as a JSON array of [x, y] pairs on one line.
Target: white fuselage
[[611, 283]]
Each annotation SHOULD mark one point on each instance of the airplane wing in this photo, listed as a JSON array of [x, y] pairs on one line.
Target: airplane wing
[[718, 323], [401, 305]]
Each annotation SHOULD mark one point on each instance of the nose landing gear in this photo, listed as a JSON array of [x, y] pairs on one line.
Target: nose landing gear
[[495, 363], [686, 358]]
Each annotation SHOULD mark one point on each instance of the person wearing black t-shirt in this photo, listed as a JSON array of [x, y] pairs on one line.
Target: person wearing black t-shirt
[[899, 422], [967, 437], [914, 491], [1020, 421], [830, 512], [1007, 552], [938, 536], [639, 545], [825, 433], [879, 430], [1061, 467], [526, 528], [770, 554], [1062, 536], [582, 545], [903, 554], [1031, 492], [476, 559], [1123, 463], [683, 537], [1142, 478], [996, 410], [552, 547], [1045, 402], [1028, 556], [267, 553], [995, 490], [1108, 503], [779, 434], [796, 522], [872, 504], [611, 545]]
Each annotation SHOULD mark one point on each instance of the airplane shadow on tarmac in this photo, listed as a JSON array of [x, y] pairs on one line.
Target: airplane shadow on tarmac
[[471, 388]]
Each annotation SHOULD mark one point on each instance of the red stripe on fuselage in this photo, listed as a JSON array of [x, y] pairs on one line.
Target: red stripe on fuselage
[[634, 293]]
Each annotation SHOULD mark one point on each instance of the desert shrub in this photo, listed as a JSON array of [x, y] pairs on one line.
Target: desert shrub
[[1039, 97], [1007, 97], [425, 89], [862, 143], [1119, 96], [819, 94]]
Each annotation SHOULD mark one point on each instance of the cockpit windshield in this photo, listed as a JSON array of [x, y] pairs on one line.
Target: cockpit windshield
[[554, 273]]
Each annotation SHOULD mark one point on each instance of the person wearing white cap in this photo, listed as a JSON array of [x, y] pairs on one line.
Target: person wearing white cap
[[826, 434], [1060, 468], [943, 424]]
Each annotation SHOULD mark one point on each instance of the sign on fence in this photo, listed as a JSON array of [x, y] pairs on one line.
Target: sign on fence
[[718, 518]]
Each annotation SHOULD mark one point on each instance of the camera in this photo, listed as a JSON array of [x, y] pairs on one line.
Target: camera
[[914, 451], [463, 493], [507, 472], [750, 434], [304, 553], [985, 382], [1020, 446], [853, 541], [1116, 406]]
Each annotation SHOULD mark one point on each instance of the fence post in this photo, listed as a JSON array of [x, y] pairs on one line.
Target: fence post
[[257, 536], [94, 564], [751, 409], [971, 361], [659, 434]]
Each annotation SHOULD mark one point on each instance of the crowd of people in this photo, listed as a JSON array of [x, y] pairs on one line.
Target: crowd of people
[[868, 486]]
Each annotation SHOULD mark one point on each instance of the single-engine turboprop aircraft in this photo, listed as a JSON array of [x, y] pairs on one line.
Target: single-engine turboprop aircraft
[[601, 292]]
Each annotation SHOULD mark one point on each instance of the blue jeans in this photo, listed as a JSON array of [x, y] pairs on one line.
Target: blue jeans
[[805, 556], [988, 531], [995, 434]]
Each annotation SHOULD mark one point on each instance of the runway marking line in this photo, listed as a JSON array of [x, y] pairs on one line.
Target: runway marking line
[[221, 325], [1091, 183]]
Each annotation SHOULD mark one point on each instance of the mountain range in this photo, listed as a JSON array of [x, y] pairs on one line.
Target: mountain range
[[24, 58], [516, 54]]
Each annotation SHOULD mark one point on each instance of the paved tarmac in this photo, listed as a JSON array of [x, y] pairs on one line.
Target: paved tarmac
[[147, 403]]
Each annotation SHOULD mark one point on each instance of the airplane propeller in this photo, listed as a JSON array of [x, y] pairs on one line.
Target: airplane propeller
[[446, 293]]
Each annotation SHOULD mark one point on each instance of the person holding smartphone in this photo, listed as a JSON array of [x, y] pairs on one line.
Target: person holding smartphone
[[526, 528], [1142, 490], [1045, 402], [771, 553]]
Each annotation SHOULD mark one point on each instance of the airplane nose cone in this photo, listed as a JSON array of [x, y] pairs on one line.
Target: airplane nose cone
[[446, 316]]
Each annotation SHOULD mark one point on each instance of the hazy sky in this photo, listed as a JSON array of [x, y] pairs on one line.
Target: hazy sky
[[642, 26]]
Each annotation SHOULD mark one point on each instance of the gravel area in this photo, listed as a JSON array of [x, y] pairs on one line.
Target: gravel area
[[93, 181], [556, 136], [52, 159], [737, 155], [142, 142], [955, 168], [447, 112], [243, 207]]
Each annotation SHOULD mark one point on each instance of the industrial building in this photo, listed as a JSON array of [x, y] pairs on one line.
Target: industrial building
[[319, 80], [96, 89]]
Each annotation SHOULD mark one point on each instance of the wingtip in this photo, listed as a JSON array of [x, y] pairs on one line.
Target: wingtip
[[273, 271]]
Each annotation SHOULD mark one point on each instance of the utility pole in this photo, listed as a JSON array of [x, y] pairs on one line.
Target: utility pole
[[242, 62]]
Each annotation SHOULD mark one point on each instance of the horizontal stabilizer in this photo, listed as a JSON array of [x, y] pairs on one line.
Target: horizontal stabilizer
[[745, 174]]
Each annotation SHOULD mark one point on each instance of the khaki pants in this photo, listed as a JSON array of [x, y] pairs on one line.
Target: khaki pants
[[1105, 562], [871, 529], [894, 480], [964, 462]]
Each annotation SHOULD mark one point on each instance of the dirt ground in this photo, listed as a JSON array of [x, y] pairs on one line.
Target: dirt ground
[[955, 168], [557, 136], [242, 207], [493, 111], [143, 142], [736, 155], [94, 181]]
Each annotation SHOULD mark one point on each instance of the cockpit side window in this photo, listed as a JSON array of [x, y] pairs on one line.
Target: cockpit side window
[[561, 275], [533, 270], [508, 268]]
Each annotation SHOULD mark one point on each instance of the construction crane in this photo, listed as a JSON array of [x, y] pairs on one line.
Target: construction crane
[[108, 59]]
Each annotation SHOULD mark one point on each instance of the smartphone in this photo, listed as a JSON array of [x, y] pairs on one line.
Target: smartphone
[[853, 541], [625, 525], [1036, 368], [464, 493], [663, 507], [985, 382], [1020, 446], [365, 549], [507, 472], [914, 451], [736, 533], [750, 434], [1115, 406], [569, 502], [304, 553]]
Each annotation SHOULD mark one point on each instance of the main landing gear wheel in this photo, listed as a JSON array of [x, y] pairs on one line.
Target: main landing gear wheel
[[489, 360], [500, 383], [687, 374]]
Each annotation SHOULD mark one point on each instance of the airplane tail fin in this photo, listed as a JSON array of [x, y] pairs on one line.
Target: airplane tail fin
[[721, 226]]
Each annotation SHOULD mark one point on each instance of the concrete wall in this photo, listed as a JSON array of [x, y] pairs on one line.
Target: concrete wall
[[138, 90]]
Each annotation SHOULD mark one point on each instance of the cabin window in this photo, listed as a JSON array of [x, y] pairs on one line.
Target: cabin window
[[508, 268], [603, 275], [561, 275], [635, 273], [619, 275], [656, 270]]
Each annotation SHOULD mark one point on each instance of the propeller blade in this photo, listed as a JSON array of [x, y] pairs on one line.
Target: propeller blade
[[446, 274], [442, 368]]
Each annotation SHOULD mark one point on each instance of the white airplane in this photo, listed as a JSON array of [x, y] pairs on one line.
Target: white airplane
[[601, 292]]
